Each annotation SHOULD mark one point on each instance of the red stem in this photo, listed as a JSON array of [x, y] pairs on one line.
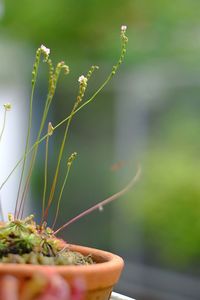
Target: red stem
[[102, 203]]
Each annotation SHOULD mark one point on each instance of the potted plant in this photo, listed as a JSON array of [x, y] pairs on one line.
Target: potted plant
[[27, 248]]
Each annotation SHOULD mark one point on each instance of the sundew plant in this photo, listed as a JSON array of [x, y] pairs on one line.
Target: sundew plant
[[21, 239]]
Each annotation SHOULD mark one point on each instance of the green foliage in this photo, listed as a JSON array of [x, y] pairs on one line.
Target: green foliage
[[168, 197], [157, 28], [22, 241], [84, 23], [169, 207]]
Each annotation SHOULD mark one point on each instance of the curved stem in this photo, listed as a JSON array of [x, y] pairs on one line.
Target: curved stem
[[102, 203]]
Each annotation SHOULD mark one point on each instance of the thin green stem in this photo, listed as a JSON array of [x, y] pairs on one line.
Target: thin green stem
[[26, 147], [53, 79], [34, 79], [1, 212], [114, 69], [86, 102], [32, 163], [45, 176], [19, 162], [4, 124], [55, 127], [58, 163], [60, 196]]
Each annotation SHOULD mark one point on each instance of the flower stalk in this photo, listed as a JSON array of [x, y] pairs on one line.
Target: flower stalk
[[7, 107], [69, 164], [79, 104], [50, 133]]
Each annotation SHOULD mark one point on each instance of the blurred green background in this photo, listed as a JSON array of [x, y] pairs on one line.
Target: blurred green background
[[149, 112]]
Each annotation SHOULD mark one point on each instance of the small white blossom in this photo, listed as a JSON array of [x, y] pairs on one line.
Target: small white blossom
[[82, 79], [45, 50], [123, 27]]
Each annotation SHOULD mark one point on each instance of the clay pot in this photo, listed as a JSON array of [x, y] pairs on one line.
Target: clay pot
[[99, 278]]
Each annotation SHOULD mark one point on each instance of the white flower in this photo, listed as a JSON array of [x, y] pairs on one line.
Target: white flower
[[45, 50], [82, 79], [123, 28]]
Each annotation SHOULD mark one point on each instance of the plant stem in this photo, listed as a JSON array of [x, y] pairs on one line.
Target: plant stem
[[101, 204], [59, 161], [112, 73], [53, 79], [1, 211], [21, 206], [45, 175], [60, 196], [50, 132], [4, 124], [27, 140], [55, 127]]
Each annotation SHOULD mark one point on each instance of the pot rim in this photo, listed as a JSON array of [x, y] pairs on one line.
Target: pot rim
[[110, 263]]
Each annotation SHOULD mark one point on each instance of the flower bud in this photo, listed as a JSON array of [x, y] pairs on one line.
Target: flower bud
[[7, 106]]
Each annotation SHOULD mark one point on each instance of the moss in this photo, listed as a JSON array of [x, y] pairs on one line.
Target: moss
[[25, 242]]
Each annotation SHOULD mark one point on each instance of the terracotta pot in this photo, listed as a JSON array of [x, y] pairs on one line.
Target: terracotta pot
[[99, 278]]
